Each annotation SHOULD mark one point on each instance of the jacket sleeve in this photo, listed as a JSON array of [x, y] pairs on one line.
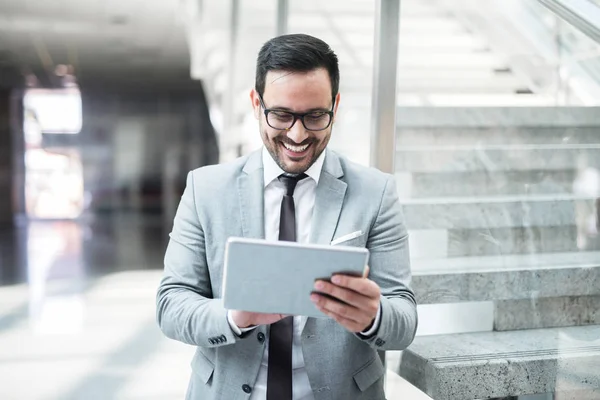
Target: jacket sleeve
[[185, 308], [389, 263]]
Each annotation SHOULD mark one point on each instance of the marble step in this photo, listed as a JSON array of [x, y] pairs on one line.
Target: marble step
[[433, 40], [480, 60], [317, 8], [459, 45], [488, 365], [497, 212], [364, 58], [430, 87], [433, 83], [447, 99], [551, 312], [514, 117], [431, 244], [415, 185], [353, 24], [510, 277], [496, 135], [459, 158]]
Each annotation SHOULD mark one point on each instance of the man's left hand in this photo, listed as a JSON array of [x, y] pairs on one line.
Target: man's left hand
[[360, 297]]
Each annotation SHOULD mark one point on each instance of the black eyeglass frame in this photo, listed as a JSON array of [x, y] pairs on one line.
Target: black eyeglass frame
[[297, 116]]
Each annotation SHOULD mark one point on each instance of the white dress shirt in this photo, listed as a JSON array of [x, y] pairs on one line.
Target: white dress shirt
[[304, 200]]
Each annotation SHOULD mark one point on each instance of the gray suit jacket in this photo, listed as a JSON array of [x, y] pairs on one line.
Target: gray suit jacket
[[227, 200]]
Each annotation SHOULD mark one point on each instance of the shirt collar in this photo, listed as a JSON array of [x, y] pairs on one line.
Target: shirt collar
[[271, 170]]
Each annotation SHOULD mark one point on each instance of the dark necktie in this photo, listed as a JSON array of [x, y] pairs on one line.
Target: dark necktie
[[279, 375]]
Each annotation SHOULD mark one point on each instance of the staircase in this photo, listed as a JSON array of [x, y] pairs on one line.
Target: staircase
[[499, 181], [502, 205], [442, 62]]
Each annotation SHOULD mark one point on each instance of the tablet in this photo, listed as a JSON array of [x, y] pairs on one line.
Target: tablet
[[278, 277]]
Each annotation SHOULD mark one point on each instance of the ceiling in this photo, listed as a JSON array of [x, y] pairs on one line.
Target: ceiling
[[144, 44], [116, 42]]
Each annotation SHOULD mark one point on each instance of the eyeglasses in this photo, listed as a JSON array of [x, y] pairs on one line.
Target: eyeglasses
[[285, 120]]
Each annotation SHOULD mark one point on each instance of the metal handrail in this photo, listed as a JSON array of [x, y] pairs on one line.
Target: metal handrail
[[582, 14]]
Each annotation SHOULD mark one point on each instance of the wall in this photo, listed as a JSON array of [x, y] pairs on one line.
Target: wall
[[136, 147], [5, 159]]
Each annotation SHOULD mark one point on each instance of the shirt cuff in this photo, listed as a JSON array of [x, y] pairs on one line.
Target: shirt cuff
[[236, 329], [375, 325]]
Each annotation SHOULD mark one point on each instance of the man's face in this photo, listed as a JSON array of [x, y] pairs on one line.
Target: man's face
[[296, 149]]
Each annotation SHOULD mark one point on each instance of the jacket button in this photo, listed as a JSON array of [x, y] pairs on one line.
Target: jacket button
[[246, 388], [260, 337]]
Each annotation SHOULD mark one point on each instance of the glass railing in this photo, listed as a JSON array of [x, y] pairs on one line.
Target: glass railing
[[546, 60], [573, 28], [585, 50]]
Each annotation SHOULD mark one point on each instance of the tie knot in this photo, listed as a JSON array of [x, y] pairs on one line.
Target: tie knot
[[290, 182]]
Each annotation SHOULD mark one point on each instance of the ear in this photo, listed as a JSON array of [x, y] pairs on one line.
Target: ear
[[335, 108], [255, 103]]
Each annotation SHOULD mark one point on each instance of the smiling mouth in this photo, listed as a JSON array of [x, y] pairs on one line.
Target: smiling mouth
[[295, 151], [295, 148]]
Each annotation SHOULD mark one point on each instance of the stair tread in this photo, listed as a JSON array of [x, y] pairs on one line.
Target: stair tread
[[507, 263], [457, 200], [473, 348], [498, 147], [499, 364]]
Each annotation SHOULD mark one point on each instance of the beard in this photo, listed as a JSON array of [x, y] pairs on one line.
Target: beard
[[289, 164]]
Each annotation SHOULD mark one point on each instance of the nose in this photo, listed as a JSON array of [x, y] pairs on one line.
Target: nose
[[297, 133]]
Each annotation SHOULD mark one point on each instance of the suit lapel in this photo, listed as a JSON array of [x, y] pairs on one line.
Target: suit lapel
[[328, 206], [328, 200], [251, 197]]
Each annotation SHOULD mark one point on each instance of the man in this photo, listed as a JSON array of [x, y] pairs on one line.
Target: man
[[293, 189]]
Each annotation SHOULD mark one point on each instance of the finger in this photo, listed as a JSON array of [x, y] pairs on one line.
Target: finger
[[344, 310], [358, 300], [349, 324], [360, 285]]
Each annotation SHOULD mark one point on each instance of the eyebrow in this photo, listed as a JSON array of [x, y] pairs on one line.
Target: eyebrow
[[316, 109]]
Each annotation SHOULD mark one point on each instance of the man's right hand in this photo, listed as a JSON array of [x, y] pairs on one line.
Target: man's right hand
[[245, 319]]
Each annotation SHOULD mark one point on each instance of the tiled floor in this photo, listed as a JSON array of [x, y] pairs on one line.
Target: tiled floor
[[81, 324], [100, 343]]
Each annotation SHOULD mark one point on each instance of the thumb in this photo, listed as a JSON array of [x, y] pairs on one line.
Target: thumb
[[367, 270]]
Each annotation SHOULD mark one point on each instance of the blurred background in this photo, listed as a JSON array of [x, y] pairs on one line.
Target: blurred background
[[106, 105]]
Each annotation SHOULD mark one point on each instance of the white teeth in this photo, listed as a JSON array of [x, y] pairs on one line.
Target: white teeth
[[296, 149]]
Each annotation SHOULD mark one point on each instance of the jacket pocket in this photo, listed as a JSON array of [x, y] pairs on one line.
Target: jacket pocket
[[358, 240], [203, 368], [369, 374]]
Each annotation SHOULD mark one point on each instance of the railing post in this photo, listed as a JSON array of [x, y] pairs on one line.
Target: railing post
[[383, 106], [282, 17], [385, 67]]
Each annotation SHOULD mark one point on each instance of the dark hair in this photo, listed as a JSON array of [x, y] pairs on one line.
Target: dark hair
[[296, 52]]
